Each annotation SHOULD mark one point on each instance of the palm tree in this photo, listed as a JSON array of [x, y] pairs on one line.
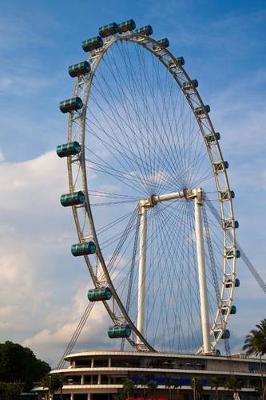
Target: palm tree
[[152, 386], [197, 388], [128, 388], [216, 381], [53, 382], [255, 343], [233, 384]]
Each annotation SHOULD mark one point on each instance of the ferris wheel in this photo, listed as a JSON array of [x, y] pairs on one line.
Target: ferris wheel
[[147, 180]]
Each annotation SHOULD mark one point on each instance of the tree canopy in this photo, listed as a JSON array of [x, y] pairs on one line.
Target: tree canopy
[[255, 342], [18, 364]]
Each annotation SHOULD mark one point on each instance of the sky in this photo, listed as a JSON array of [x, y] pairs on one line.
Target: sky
[[43, 289]]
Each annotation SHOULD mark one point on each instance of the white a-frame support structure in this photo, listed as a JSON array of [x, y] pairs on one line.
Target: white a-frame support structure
[[197, 196]]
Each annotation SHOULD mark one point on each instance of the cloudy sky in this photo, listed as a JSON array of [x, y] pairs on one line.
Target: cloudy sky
[[43, 289]]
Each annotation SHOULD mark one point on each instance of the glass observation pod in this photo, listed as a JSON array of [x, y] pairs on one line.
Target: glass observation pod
[[119, 331], [202, 110], [230, 223], [220, 165], [164, 42], [69, 105], [227, 195], [99, 294], [213, 138], [232, 253], [72, 199], [108, 30], [224, 310], [190, 84], [126, 26], [145, 30], [83, 249], [68, 149], [179, 61], [229, 283], [82, 68], [92, 44]]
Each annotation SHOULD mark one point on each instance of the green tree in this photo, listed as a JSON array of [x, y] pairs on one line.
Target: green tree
[[152, 386], [233, 384], [54, 382], [18, 364], [10, 391], [128, 388], [255, 343], [197, 388], [216, 382], [170, 386]]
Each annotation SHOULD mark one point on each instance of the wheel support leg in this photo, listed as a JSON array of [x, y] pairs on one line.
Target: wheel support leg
[[202, 277], [142, 269]]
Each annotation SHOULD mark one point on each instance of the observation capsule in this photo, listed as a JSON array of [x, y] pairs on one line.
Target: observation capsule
[[164, 42], [82, 249], [69, 105], [227, 195], [92, 44], [119, 331], [108, 30], [229, 282], [99, 294], [237, 282], [231, 223], [72, 199], [213, 138], [220, 166], [145, 30], [126, 26], [224, 310], [180, 60], [82, 68], [202, 110], [190, 84], [68, 149], [232, 253]]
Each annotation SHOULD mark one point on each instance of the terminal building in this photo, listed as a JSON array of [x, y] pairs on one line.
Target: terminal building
[[100, 375]]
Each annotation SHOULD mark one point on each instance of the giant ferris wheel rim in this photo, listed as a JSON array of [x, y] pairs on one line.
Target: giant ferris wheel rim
[[152, 46]]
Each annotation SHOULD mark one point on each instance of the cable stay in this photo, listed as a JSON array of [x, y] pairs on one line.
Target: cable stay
[[244, 257], [76, 334]]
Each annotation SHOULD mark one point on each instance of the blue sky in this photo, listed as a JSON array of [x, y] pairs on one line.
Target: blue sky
[[225, 49]]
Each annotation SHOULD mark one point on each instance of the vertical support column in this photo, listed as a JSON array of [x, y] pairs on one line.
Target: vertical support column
[[142, 268], [202, 275]]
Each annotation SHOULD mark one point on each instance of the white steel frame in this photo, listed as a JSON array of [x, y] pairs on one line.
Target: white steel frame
[[77, 131]]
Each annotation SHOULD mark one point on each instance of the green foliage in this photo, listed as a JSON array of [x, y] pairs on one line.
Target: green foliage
[[18, 364], [255, 342], [216, 381], [232, 383], [197, 387], [10, 391], [53, 382], [128, 388]]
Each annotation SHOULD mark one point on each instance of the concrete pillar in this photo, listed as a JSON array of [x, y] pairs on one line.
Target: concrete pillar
[[72, 396], [92, 363], [99, 379], [109, 362], [82, 380]]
